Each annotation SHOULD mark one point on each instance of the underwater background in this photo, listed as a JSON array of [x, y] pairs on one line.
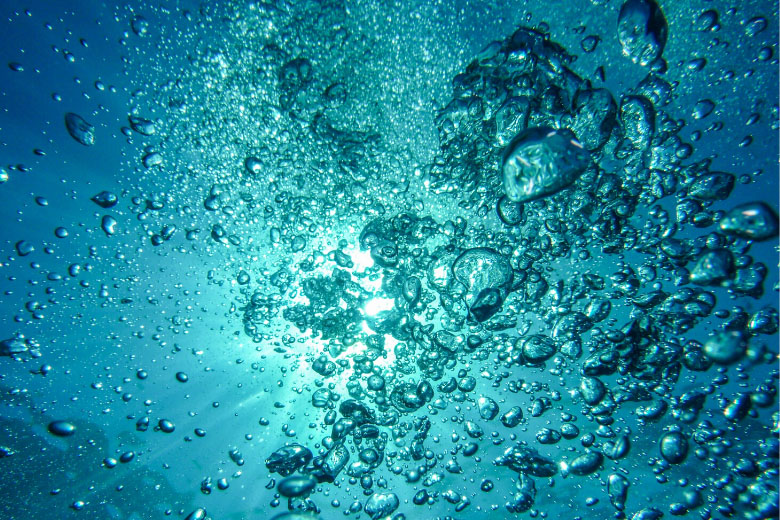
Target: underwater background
[[357, 259]]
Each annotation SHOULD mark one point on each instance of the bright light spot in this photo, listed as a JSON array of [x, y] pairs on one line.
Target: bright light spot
[[377, 305], [440, 272], [361, 259]]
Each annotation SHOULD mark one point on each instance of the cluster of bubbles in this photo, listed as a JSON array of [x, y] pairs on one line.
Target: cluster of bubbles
[[565, 166]]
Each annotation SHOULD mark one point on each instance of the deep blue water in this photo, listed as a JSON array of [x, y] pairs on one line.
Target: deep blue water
[[321, 239]]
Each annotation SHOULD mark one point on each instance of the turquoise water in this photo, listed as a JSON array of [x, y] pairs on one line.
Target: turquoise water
[[389, 260]]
